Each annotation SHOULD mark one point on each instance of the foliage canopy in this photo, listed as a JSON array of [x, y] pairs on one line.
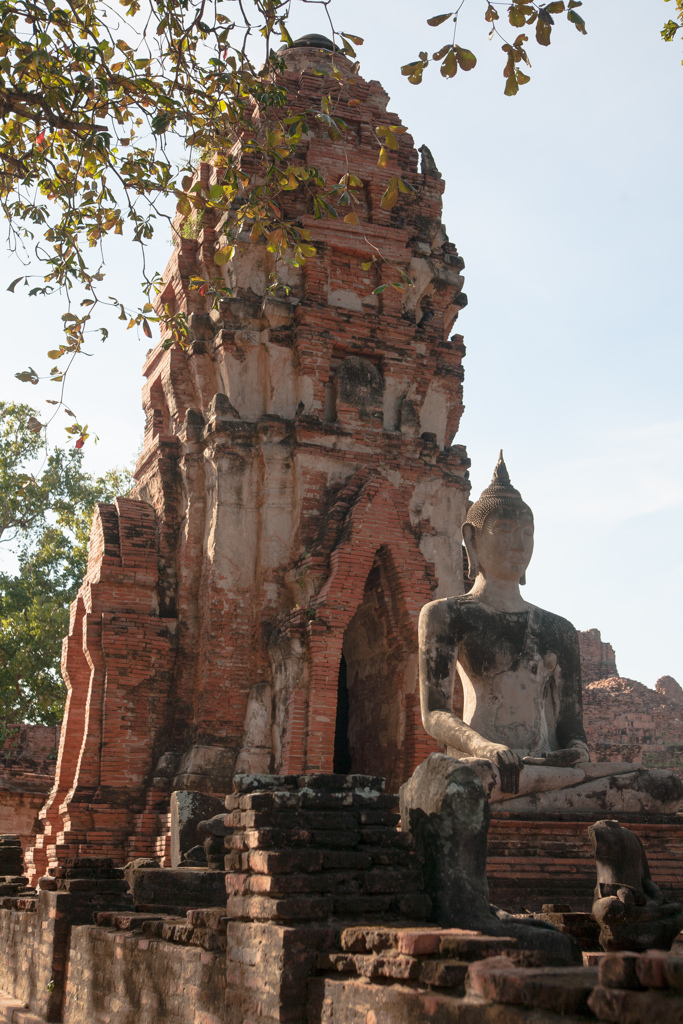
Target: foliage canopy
[[45, 517], [104, 108]]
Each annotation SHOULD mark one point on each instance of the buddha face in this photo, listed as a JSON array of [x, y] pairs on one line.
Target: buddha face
[[504, 544]]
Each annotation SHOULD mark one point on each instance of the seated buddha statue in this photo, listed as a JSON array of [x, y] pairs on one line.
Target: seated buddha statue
[[522, 725]]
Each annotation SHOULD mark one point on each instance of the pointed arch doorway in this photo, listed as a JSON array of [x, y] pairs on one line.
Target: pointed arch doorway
[[376, 670]]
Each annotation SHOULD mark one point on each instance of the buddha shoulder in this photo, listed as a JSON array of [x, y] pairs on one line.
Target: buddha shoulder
[[552, 622], [448, 615]]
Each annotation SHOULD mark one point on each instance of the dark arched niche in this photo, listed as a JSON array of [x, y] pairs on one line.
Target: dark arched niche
[[371, 694]]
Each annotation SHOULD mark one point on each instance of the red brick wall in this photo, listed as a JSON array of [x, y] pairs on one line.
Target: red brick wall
[[626, 721]]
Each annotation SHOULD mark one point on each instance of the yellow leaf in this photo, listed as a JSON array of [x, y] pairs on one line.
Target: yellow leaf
[[222, 256], [351, 218], [383, 158], [390, 197], [449, 67]]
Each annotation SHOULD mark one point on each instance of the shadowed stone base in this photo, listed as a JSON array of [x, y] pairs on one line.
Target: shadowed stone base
[[444, 806]]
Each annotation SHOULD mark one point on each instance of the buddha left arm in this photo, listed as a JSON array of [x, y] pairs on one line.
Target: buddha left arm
[[569, 726], [569, 732]]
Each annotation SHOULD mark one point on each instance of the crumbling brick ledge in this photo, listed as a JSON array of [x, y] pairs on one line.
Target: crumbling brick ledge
[[14, 1012]]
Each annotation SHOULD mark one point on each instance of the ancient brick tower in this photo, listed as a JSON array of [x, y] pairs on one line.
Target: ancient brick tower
[[298, 499]]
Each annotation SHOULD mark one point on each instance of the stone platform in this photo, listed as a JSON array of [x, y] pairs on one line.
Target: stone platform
[[548, 858]]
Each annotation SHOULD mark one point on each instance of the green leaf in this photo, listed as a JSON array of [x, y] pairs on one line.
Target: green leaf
[[669, 31], [379, 289], [28, 376], [557, 7], [577, 20], [511, 87], [284, 33], [516, 16], [449, 67], [466, 58], [439, 19], [543, 30]]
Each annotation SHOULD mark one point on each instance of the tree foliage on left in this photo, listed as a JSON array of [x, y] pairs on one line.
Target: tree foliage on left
[[45, 517]]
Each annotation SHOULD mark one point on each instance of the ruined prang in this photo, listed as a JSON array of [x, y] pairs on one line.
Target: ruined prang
[[253, 606]]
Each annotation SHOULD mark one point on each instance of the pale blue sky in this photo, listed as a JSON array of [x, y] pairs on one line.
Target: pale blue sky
[[565, 204]]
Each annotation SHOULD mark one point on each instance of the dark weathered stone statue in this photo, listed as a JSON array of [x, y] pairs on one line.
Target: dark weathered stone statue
[[445, 807], [631, 910], [521, 728]]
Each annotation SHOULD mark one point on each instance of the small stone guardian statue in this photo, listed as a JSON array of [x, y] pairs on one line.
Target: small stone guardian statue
[[631, 910]]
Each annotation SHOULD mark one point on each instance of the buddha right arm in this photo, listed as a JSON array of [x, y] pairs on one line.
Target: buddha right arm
[[438, 658]]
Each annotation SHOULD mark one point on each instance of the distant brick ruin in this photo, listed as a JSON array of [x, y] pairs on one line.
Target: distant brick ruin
[[297, 500], [28, 758], [598, 660], [627, 721]]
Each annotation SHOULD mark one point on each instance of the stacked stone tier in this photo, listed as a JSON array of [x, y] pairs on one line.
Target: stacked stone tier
[[318, 847]]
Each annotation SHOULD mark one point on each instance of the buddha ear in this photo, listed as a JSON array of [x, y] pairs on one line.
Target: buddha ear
[[472, 560], [523, 579]]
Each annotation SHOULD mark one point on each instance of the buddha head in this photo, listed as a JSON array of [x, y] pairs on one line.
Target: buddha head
[[499, 531]]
